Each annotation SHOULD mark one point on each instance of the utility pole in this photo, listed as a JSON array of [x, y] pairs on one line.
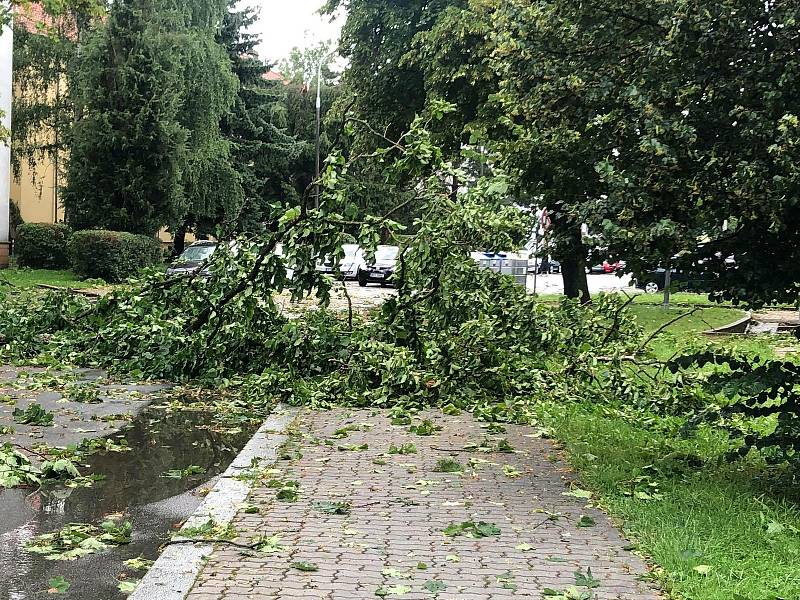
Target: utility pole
[[6, 95], [319, 125], [667, 283], [319, 119]]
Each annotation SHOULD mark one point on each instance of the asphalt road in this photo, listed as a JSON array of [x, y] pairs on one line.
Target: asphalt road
[[554, 284]]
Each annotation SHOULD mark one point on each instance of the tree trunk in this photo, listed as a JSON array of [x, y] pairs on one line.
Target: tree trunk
[[573, 272], [179, 240], [571, 253]]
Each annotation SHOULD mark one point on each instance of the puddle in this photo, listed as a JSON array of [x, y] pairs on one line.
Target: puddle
[[133, 486]]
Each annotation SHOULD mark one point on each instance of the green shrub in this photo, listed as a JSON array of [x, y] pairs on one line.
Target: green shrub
[[42, 245], [112, 255]]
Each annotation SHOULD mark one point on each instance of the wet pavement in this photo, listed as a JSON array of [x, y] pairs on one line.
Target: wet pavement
[[111, 405], [133, 488], [452, 510]]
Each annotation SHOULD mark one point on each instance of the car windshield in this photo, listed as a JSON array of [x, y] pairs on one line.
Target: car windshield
[[350, 250], [386, 253], [197, 253]]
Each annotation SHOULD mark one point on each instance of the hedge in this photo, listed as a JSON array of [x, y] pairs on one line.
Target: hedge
[[42, 245], [112, 255]]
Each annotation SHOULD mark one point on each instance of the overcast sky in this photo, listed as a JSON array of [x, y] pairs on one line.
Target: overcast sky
[[285, 24]]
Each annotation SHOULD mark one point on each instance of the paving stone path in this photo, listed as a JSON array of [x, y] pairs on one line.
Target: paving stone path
[[392, 543]]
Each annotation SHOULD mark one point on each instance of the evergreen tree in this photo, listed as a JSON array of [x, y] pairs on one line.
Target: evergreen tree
[[212, 185], [255, 127], [128, 148], [151, 88]]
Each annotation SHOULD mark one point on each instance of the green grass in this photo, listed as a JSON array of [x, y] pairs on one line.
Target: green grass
[[28, 278], [740, 521], [718, 515], [651, 317]]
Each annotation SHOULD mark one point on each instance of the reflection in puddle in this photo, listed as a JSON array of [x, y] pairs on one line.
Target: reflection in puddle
[[133, 486]]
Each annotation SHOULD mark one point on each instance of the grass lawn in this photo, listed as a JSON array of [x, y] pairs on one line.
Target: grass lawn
[[720, 531], [27, 278]]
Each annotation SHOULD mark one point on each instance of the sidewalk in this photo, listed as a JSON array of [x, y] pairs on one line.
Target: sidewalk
[[367, 523]]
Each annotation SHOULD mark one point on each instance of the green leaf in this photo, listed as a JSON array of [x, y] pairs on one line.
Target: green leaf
[[472, 529], [128, 587], [58, 585], [307, 567], [523, 547], [435, 586], [34, 414], [586, 580], [586, 521], [703, 569], [774, 528], [578, 493], [393, 590], [139, 563], [332, 508]]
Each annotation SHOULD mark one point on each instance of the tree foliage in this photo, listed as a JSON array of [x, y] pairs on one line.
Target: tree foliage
[[151, 89], [261, 149], [669, 122]]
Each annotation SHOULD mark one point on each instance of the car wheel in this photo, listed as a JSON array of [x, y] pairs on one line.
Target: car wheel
[[651, 287]]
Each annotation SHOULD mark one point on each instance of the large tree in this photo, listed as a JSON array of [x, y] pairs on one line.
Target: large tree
[[44, 55], [128, 149], [211, 182], [671, 128], [151, 89], [261, 148]]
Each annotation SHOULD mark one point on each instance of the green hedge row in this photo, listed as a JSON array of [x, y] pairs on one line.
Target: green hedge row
[[111, 255], [98, 254], [42, 245]]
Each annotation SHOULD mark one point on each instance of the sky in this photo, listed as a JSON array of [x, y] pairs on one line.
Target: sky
[[284, 24]]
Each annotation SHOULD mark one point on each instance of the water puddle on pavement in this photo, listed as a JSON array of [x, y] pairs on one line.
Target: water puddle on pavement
[[133, 486]]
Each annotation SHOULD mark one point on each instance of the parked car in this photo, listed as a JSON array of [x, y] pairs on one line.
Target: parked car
[[545, 265], [192, 259], [596, 269], [613, 267], [353, 259], [654, 281], [381, 269]]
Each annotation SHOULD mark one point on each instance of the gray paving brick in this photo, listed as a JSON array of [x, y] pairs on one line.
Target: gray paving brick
[[400, 509]]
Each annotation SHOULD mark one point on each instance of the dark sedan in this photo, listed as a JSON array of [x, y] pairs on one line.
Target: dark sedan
[[192, 259], [654, 281], [381, 269]]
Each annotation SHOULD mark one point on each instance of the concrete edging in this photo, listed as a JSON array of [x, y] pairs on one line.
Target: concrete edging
[[173, 574], [738, 326]]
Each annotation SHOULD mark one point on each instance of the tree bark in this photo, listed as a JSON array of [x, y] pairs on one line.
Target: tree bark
[[573, 272], [179, 240], [573, 269]]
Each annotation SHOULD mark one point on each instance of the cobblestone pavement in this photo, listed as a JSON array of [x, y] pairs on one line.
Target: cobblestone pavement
[[525, 533]]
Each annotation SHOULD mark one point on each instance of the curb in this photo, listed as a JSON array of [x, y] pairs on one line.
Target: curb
[[173, 574]]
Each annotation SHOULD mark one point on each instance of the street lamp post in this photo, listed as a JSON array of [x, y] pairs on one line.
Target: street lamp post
[[318, 127], [319, 119]]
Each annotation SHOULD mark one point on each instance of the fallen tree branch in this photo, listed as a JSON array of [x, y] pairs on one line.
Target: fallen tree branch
[[663, 327]]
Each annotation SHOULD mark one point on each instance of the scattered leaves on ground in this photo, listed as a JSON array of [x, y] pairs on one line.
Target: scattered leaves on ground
[[34, 414], [332, 508], [472, 529], [79, 539]]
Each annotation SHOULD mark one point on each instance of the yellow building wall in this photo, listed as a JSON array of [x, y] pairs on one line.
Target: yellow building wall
[[36, 195]]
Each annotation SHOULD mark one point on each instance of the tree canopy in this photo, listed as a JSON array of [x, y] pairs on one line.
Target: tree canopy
[[670, 129]]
